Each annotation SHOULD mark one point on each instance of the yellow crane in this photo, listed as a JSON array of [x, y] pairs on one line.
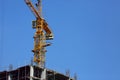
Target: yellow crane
[[42, 33]]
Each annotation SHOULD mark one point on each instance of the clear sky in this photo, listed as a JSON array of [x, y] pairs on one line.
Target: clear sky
[[86, 36]]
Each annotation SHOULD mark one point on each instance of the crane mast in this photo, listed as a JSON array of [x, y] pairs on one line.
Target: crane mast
[[42, 34]]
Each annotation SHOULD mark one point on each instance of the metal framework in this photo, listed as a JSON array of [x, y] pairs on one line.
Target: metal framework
[[42, 33]]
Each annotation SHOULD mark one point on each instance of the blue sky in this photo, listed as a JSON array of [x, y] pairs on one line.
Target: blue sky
[[87, 36]]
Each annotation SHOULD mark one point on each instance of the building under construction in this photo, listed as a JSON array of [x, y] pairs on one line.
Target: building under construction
[[30, 72], [36, 71]]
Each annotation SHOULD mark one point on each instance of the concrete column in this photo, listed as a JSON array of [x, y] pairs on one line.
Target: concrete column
[[43, 75], [9, 78], [31, 72]]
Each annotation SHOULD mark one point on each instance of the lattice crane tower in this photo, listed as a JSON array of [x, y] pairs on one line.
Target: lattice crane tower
[[42, 33]]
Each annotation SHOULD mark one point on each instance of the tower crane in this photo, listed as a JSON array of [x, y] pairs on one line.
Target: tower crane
[[42, 34]]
